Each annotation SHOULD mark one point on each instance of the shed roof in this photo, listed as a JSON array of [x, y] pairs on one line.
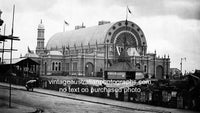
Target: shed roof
[[21, 61]]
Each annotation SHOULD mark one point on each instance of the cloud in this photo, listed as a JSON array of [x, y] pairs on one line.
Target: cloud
[[174, 36], [186, 9], [27, 5]]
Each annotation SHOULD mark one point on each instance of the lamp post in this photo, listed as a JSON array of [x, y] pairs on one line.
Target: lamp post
[[181, 64]]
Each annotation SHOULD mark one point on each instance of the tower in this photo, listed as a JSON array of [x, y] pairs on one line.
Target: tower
[[40, 39]]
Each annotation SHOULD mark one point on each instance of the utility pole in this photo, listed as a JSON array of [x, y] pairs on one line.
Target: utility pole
[[11, 38], [1, 23], [3, 43], [11, 55], [181, 64]]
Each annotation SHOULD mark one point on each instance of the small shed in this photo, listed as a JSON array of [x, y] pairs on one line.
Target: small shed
[[21, 67]]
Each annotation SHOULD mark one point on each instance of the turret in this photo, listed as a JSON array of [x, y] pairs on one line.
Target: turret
[[40, 39]]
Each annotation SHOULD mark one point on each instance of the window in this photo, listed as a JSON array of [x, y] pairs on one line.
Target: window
[[38, 34], [56, 67], [67, 66], [59, 66], [40, 44], [53, 65], [90, 50], [75, 66], [42, 34], [145, 68], [86, 50], [138, 65]]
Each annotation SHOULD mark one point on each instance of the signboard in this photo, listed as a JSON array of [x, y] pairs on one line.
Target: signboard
[[139, 75], [116, 75]]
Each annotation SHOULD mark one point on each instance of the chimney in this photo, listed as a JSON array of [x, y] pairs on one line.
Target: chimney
[[79, 26], [102, 22]]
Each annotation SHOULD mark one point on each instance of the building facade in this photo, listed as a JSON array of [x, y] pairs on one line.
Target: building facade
[[88, 51]]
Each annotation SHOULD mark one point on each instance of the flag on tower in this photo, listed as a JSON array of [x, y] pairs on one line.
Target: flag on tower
[[129, 10], [29, 51], [66, 23]]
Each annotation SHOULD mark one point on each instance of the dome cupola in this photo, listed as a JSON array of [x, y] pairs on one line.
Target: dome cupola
[[41, 26]]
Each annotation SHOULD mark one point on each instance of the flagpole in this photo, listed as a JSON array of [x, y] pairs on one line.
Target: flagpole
[[64, 26], [126, 12], [126, 9]]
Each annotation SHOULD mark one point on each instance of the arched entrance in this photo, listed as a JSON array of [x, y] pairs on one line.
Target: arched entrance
[[89, 69], [126, 38], [159, 72]]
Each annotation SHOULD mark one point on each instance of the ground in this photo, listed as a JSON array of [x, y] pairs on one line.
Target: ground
[[58, 102], [30, 101]]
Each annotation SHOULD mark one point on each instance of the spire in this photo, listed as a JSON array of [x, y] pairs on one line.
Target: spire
[[41, 26]]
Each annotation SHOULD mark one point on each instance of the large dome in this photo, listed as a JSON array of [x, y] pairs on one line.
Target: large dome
[[83, 35], [101, 33]]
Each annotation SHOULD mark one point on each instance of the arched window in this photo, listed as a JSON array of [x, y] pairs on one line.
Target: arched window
[[159, 72], [89, 69], [59, 66], [74, 66], [53, 65], [45, 68], [145, 68], [67, 66], [56, 67], [138, 65]]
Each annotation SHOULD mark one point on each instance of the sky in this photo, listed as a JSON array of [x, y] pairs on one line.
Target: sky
[[171, 27]]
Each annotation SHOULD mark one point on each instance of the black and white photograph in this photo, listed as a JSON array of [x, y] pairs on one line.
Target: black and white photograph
[[99, 56]]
